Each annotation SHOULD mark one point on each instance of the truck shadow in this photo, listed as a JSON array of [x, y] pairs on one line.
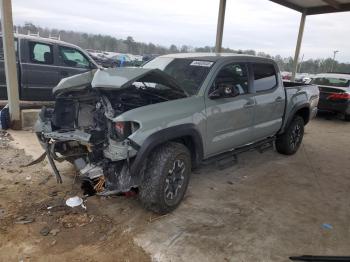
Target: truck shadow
[[330, 116]]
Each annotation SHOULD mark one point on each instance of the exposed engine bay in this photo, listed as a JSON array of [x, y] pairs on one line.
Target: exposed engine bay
[[80, 129]]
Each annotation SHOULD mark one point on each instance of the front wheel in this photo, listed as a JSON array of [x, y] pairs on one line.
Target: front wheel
[[289, 142], [165, 178]]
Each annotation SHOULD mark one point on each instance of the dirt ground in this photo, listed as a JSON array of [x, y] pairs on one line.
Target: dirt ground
[[265, 208], [36, 225]]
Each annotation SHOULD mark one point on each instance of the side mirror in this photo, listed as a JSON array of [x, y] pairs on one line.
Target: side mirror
[[224, 90], [92, 65]]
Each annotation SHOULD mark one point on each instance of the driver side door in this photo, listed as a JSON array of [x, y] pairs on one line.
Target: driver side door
[[229, 118]]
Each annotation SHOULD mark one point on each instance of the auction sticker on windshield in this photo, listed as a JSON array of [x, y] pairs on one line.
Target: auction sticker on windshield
[[202, 63]]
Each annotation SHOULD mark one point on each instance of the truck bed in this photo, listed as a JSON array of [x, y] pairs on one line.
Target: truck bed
[[297, 94]]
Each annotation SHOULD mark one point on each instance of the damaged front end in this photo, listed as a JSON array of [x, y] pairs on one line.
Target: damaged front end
[[81, 128]]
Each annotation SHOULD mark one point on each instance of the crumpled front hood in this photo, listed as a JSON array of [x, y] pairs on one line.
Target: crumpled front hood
[[116, 78], [119, 78], [76, 82]]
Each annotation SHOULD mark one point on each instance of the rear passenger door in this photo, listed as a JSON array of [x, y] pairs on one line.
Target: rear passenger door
[[39, 71], [72, 61], [269, 100]]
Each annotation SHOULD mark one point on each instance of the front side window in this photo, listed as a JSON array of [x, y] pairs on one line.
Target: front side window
[[234, 76], [265, 77], [40, 53], [73, 58]]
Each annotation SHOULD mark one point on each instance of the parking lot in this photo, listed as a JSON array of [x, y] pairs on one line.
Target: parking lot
[[265, 208]]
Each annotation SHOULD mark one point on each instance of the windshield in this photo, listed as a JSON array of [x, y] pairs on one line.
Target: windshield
[[331, 81], [189, 73]]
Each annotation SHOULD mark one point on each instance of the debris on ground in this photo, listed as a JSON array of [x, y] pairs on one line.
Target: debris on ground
[[74, 201], [327, 226], [41, 208], [45, 180], [24, 220], [53, 242], [130, 193], [45, 231], [152, 219], [75, 220], [53, 193], [2, 212], [5, 138], [54, 231]]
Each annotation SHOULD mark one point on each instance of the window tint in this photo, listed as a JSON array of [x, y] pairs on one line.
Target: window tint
[[40, 53], [235, 75], [264, 77], [73, 57]]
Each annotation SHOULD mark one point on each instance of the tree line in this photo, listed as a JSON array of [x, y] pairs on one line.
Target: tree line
[[129, 45]]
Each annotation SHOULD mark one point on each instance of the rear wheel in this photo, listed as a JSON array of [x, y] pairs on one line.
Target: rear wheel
[[166, 178], [289, 142]]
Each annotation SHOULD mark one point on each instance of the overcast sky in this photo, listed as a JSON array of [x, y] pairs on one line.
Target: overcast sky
[[250, 24]]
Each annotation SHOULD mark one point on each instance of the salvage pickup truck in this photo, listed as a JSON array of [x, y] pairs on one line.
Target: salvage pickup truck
[[147, 128], [41, 64]]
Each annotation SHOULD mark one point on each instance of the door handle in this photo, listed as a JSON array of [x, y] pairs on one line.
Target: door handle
[[279, 99], [64, 73]]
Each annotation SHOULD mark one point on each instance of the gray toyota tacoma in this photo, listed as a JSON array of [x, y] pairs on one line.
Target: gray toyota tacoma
[[146, 129]]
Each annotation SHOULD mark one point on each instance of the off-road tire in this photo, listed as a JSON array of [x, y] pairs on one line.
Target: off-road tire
[[155, 182], [285, 143]]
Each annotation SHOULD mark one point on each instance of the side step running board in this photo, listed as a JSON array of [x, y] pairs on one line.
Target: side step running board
[[229, 158]]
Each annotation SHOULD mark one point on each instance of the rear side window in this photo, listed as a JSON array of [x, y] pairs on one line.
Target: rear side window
[[265, 77], [73, 58], [40, 53]]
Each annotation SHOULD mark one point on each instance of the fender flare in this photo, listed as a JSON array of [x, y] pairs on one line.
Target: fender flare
[[163, 136], [292, 114]]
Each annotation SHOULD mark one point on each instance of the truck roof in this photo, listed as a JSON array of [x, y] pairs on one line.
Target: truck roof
[[43, 39], [216, 56]]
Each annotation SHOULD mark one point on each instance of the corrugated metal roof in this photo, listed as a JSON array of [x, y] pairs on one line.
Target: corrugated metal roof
[[314, 7]]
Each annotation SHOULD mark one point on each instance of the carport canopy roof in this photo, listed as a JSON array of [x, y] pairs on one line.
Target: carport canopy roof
[[315, 7]]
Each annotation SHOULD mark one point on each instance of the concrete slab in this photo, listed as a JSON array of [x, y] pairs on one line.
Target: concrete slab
[[28, 141]]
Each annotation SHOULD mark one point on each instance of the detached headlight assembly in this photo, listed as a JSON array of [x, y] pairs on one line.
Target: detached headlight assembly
[[125, 129]]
